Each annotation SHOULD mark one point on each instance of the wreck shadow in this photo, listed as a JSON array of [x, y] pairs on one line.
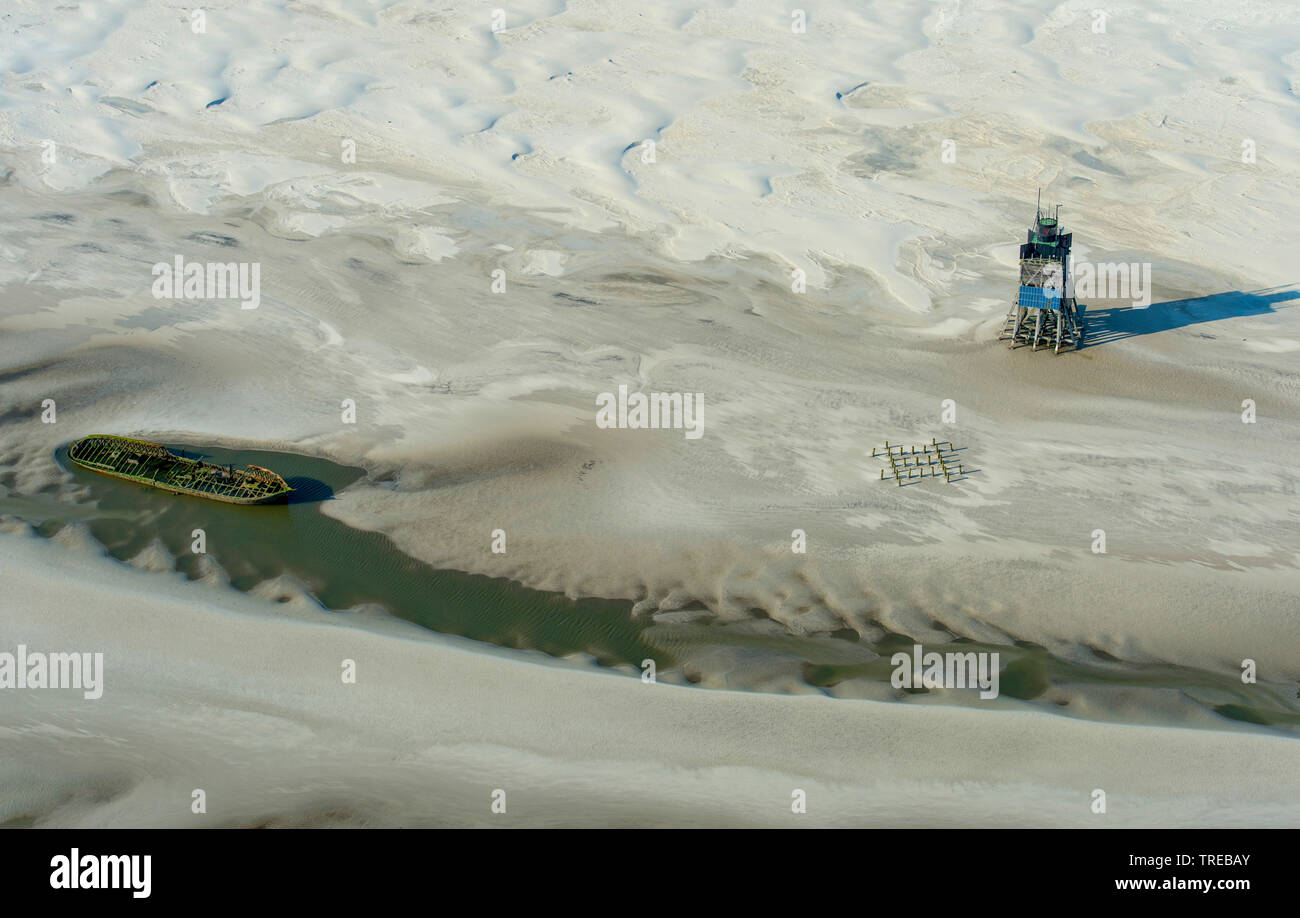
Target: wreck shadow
[[1106, 325], [308, 490]]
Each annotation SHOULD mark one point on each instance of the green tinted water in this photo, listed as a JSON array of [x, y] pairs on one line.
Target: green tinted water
[[345, 567]]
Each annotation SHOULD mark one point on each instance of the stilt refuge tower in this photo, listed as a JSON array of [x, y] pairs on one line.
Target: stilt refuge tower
[[1044, 311]]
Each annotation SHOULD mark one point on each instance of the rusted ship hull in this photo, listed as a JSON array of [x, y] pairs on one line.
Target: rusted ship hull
[[154, 465]]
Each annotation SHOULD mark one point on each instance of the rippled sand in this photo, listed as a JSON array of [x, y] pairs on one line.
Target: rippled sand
[[523, 152]]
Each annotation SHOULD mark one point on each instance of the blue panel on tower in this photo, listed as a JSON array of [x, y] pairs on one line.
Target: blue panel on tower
[[1040, 298]]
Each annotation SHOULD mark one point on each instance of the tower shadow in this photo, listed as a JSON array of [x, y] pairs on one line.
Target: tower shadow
[[1104, 325]]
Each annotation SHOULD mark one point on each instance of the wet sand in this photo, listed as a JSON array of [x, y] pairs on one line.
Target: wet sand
[[432, 727]]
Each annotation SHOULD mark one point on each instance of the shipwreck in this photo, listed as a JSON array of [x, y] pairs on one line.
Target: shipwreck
[[158, 467]]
